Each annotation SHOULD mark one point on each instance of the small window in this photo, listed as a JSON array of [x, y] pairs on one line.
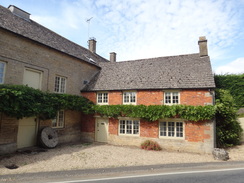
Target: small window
[[171, 129], [171, 98], [2, 71], [129, 127], [102, 98], [129, 98], [60, 84], [58, 122]]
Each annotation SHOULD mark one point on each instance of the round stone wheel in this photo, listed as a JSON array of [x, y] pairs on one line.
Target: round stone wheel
[[48, 137]]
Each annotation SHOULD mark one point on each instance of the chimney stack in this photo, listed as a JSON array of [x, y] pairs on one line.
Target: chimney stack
[[112, 57], [19, 12], [203, 47], [92, 45]]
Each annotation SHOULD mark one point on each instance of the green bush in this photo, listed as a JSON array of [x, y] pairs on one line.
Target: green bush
[[235, 84], [228, 129], [151, 145]]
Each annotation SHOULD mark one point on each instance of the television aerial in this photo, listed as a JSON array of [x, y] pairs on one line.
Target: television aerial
[[88, 22]]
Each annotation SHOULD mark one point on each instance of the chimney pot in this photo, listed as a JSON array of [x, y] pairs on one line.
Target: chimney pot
[[112, 57], [92, 45], [19, 12], [203, 47]]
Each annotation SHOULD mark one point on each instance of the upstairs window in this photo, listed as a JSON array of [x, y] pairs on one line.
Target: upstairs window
[[60, 84], [171, 98], [2, 71], [129, 98], [102, 98], [58, 122]]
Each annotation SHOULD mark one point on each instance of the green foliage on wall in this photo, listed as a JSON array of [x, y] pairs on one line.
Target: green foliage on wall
[[235, 84], [22, 101], [228, 129], [155, 112]]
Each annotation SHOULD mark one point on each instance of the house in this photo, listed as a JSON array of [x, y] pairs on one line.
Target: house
[[33, 55], [182, 79]]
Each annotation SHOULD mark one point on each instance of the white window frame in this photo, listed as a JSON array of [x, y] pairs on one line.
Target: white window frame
[[168, 131], [171, 93], [59, 86], [130, 97], [58, 122], [3, 74], [131, 127], [102, 98]]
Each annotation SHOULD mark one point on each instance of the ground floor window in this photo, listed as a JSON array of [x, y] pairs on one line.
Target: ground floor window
[[130, 127], [171, 129], [58, 122]]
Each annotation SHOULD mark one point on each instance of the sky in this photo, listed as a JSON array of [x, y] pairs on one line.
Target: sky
[[138, 29]]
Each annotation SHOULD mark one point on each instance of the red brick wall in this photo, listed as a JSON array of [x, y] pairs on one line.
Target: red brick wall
[[196, 132], [113, 126], [156, 97], [115, 97], [149, 129], [150, 97], [195, 97], [92, 96]]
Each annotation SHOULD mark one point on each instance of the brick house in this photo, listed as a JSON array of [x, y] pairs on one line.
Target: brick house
[[33, 55], [183, 79]]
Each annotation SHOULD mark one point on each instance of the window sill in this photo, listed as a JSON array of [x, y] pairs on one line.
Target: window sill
[[129, 135], [172, 138]]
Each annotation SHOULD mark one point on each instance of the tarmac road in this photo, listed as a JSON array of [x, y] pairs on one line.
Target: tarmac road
[[193, 172]]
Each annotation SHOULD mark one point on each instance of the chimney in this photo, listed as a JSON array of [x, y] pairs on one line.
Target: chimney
[[112, 57], [19, 12], [203, 47], [92, 45]]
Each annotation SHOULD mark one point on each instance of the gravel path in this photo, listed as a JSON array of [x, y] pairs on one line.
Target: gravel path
[[90, 156]]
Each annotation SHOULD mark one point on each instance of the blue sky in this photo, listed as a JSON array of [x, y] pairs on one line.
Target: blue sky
[[137, 29]]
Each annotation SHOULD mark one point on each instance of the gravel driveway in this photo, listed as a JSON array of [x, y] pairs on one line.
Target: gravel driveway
[[97, 155]]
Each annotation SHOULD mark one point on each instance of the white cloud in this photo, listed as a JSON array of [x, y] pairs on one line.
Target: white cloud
[[154, 28], [234, 67], [141, 29]]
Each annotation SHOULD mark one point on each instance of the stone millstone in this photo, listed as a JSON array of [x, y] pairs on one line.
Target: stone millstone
[[220, 154], [48, 137]]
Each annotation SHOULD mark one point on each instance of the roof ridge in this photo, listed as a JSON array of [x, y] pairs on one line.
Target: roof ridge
[[155, 58]]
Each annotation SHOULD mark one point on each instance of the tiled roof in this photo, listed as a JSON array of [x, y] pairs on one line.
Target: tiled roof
[[36, 32], [173, 72]]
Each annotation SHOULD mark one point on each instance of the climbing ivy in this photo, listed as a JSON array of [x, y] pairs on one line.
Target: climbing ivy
[[22, 101], [155, 112]]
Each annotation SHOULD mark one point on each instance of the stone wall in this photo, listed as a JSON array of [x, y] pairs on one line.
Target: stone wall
[[20, 53], [241, 120], [8, 134]]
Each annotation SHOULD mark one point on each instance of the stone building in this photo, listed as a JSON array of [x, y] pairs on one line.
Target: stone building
[[33, 55]]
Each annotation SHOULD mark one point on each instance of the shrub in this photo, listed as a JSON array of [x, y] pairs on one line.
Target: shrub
[[228, 129], [235, 84], [151, 145]]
